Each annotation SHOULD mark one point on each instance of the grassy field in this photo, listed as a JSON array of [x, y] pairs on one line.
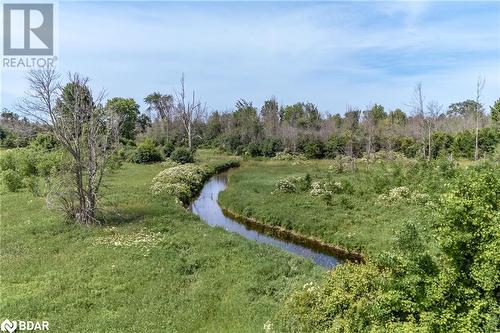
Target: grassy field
[[152, 267], [354, 219]]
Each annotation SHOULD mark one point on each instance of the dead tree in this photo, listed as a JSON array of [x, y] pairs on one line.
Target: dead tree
[[189, 110], [433, 112], [479, 90], [419, 114], [86, 131]]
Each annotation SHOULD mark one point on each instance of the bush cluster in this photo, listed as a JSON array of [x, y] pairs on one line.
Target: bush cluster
[[293, 184], [410, 289], [23, 167], [184, 181], [147, 152], [182, 155]]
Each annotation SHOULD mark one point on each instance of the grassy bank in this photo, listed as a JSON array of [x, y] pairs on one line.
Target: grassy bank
[[152, 267], [356, 217]]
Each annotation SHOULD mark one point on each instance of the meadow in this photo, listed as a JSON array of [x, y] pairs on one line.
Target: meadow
[[152, 266], [358, 213]]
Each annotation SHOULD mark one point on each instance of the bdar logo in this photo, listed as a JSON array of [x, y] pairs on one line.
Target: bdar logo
[[9, 326]]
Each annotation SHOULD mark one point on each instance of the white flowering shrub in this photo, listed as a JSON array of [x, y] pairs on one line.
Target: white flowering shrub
[[168, 163], [293, 184], [285, 185], [286, 156], [326, 187], [403, 193], [181, 181], [184, 181]]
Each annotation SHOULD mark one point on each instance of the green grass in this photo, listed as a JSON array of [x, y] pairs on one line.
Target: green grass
[[354, 221], [153, 267]]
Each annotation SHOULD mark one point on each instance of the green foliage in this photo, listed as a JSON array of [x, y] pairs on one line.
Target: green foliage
[[335, 146], [102, 279], [270, 147], [468, 233], [26, 164], [311, 147], [12, 180], [185, 181], [128, 111], [182, 155], [147, 152], [44, 141], [253, 149], [495, 112], [412, 290], [168, 148]]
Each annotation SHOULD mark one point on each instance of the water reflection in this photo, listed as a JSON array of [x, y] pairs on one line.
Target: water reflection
[[208, 209]]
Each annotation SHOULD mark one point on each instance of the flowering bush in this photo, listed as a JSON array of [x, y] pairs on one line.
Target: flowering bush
[[403, 193], [331, 187], [293, 184], [285, 185], [287, 156], [181, 181], [184, 181]]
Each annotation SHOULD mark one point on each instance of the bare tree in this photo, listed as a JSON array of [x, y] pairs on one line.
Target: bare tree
[[419, 114], [434, 109], [87, 132], [479, 89], [189, 110]]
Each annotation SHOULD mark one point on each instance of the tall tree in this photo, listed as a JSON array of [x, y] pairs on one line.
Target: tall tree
[[419, 115], [495, 112], [269, 114], [433, 112], [87, 131], [189, 110], [127, 111], [479, 89], [162, 106]]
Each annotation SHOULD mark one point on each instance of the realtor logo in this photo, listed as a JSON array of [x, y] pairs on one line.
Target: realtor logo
[[28, 29]]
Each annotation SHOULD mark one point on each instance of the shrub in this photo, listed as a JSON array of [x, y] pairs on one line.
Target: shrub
[[311, 147], [147, 152], [287, 156], [181, 181], [185, 180], [168, 148], [253, 149], [293, 184], [33, 185], [270, 147], [335, 146], [12, 180], [182, 155]]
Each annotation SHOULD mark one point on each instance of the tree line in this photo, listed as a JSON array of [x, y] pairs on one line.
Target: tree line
[[464, 129]]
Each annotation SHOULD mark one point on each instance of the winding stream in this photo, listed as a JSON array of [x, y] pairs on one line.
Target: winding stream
[[208, 209]]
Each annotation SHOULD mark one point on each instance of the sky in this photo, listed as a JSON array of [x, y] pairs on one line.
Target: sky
[[332, 54]]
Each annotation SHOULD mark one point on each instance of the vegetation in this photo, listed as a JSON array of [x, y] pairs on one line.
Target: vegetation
[[357, 204], [182, 155], [147, 152], [384, 183], [152, 267], [456, 291], [186, 180]]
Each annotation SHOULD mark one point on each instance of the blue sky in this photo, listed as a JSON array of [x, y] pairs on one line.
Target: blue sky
[[329, 53]]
